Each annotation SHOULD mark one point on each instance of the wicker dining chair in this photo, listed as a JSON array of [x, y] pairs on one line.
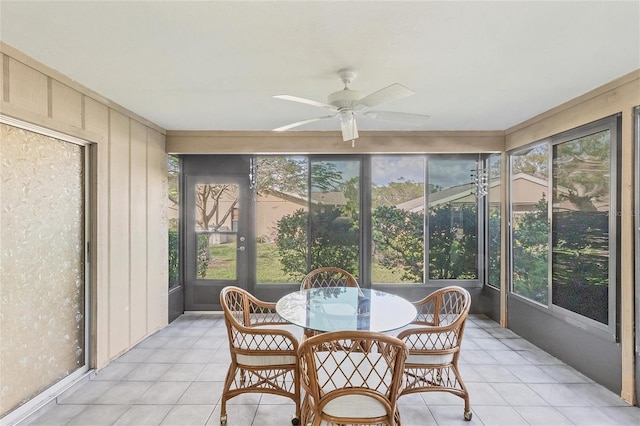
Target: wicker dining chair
[[433, 340], [263, 356], [351, 377], [328, 276]]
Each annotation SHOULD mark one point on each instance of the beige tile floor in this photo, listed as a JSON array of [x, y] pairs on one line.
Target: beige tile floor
[[175, 377]]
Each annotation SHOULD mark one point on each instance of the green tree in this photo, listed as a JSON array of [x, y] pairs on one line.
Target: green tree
[[290, 175], [533, 162], [452, 242], [283, 174], [211, 216], [334, 238], [292, 244], [493, 256], [581, 171], [173, 175], [173, 258], [581, 195], [325, 176], [396, 193], [399, 241], [530, 254], [351, 191], [334, 241]]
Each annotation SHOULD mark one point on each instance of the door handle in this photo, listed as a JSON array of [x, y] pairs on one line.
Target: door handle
[[241, 248]]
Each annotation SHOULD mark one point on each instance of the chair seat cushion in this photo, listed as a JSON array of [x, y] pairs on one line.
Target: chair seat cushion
[[339, 370], [355, 406], [270, 343], [435, 359], [265, 360]]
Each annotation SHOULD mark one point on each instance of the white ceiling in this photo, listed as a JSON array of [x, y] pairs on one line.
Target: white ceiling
[[215, 65]]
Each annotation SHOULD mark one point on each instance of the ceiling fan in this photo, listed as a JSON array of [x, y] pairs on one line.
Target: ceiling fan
[[346, 104]]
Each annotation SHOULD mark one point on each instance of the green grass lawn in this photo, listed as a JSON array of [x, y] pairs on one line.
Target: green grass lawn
[[269, 268]]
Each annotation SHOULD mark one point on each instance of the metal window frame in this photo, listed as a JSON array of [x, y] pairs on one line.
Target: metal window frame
[[509, 255], [608, 331], [365, 219], [485, 222], [477, 282], [636, 138]]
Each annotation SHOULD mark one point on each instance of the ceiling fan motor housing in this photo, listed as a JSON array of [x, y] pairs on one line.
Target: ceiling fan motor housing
[[345, 98]]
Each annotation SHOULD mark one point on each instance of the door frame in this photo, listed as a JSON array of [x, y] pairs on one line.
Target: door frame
[[214, 169]]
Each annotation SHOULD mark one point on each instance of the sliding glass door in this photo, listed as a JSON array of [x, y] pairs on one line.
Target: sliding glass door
[[43, 267]]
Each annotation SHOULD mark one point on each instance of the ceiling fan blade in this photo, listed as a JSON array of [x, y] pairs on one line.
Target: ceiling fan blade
[[399, 117], [388, 94], [300, 123], [349, 130], [306, 101]]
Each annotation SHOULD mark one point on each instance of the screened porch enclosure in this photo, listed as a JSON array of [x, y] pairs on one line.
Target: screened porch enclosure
[[409, 224]]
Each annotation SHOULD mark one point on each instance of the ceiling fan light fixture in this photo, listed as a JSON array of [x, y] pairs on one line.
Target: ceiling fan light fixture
[[346, 116], [349, 131]]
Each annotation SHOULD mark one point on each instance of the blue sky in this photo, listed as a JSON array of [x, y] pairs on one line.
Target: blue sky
[[444, 173]]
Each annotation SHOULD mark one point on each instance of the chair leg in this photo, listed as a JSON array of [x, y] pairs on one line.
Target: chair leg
[[296, 389], [227, 385], [465, 394]]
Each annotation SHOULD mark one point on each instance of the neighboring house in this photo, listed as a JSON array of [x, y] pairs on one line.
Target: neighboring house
[[272, 205], [334, 199], [527, 192]]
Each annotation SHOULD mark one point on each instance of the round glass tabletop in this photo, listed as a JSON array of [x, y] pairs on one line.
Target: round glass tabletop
[[346, 308]]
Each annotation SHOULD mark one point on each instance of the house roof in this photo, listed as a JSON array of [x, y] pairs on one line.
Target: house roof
[[214, 65], [331, 198], [461, 192], [444, 196]]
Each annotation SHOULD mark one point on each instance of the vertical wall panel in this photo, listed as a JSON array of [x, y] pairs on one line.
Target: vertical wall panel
[[157, 196], [138, 217], [2, 80], [27, 88], [119, 296], [96, 117], [66, 104], [97, 121]]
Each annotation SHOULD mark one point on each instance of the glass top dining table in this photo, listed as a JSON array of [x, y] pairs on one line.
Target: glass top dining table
[[346, 308]]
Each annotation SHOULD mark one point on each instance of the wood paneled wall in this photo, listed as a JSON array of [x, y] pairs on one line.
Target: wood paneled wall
[[129, 170]]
